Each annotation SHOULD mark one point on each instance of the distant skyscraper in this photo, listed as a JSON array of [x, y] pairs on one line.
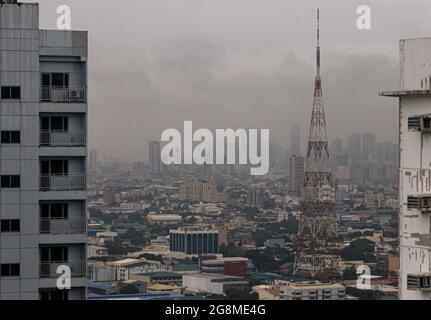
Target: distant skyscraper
[[154, 157], [255, 197], [355, 148], [295, 141], [337, 147], [296, 174], [368, 146]]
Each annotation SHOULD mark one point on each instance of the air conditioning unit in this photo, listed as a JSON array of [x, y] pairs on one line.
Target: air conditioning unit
[[426, 124], [75, 94], [421, 202], [419, 281], [419, 123]]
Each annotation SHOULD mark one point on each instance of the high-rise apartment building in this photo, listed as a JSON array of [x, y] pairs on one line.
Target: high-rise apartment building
[[296, 174], [43, 122], [415, 168]]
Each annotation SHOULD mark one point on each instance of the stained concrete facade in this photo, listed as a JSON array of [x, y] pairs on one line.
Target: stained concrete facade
[[46, 204], [415, 166]]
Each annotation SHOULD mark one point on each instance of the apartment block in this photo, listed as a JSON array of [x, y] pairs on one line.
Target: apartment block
[[415, 168], [43, 151]]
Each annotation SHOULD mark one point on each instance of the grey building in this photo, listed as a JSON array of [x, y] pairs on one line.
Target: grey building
[[194, 240], [43, 122], [295, 140], [255, 197], [296, 175]]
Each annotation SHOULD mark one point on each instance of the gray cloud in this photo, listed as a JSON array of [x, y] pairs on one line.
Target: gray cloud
[[236, 63]]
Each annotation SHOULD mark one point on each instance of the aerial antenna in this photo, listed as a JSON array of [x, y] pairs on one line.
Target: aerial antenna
[[318, 44]]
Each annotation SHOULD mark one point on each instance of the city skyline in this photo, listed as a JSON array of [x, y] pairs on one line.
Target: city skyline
[[249, 73]]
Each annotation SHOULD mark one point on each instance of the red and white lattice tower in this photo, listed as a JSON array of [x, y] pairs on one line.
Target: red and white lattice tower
[[317, 227]]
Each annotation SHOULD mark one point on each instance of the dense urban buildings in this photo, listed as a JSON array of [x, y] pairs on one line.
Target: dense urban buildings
[[415, 190], [43, 113]]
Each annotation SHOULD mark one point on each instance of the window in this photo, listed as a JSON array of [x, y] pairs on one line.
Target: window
[[10, 137], [54, 167], [53, 294], [57, 80], [9, 270], [11, 92], [54, 211], [54, 254], [12, 225], [54, 124], [10, 181]]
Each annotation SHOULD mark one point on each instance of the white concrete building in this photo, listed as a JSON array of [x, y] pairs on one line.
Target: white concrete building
[[214, 283], [312, 291], [43, 122], [415, 168]]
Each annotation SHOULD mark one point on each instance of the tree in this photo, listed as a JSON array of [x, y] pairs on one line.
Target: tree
[[350, 274], [360, 249], [129, 289], [231, 251], [364, 294]]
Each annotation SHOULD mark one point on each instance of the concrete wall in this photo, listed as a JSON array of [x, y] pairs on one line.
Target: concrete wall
[[415, 166]]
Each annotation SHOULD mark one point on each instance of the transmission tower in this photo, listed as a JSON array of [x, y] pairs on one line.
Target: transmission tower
[[317, 228]]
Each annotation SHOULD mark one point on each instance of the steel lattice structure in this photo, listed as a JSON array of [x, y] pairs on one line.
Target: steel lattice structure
[[317, 224]]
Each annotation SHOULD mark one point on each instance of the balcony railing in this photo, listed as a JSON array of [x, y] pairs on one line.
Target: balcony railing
[[49, 269], [75, 225], [62, 182], [75, 138], [63, 95]]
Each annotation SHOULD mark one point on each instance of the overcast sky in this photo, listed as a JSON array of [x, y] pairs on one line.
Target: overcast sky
[[237, 63]]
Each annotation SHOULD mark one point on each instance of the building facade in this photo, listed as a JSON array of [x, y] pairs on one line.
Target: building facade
[[312, 291], [415, 168], [154, 160], [43, 151], [255, 197], [296, 174], [200, 191], [194, 240]]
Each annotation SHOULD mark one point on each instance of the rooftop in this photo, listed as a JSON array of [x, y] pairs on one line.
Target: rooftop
[[406, 93], [314, 285]]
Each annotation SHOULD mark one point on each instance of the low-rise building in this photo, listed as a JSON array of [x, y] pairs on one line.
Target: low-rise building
[[96, 251], [312, 291], [124, 268], [231, 266], [162, 277], [214, 283]]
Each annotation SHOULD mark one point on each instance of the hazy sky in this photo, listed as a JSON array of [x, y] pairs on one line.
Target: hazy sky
[[237, 63]]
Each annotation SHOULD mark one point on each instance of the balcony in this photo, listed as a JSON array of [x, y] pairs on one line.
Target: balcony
[[49, 269], [75, 138], [63, 95], [62, 182], [74, 225]]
